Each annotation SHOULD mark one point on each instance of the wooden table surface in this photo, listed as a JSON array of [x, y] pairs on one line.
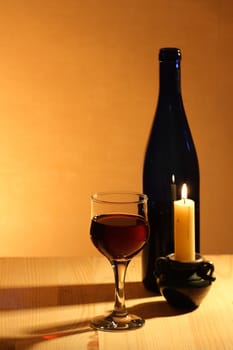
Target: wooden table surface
[[47, 303]]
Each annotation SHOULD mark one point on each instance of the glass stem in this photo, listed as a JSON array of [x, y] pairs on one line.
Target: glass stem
[[119, 268]]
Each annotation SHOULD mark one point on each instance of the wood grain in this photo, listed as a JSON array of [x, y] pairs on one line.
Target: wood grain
[[47, 303]]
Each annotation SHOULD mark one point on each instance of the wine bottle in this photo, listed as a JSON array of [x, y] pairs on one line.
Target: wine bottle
[[170, 161]]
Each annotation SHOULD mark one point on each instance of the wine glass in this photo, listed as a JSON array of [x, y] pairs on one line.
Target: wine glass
[[119, 230]]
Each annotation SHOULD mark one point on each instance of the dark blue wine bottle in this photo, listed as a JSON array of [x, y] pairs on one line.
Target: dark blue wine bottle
[[170, 161]]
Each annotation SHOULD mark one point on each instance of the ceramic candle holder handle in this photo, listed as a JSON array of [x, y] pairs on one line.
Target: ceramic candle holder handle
[[206, 270]]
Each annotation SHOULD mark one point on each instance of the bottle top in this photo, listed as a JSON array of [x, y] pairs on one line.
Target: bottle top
[[169, 54]]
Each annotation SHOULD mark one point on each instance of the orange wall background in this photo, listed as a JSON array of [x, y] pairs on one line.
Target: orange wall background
[[78, 91]]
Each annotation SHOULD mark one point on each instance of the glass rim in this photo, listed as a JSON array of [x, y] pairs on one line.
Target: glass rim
[[98, 197]]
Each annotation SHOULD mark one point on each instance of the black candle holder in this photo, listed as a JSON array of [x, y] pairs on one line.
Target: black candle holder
[[184, 284]]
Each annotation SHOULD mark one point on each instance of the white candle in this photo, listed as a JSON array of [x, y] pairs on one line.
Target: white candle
[[184, 227]]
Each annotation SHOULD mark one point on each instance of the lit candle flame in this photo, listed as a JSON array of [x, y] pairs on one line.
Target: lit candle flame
[[184, 192], [173, 178]]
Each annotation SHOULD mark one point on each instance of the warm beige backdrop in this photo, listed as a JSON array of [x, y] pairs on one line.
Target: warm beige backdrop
[[78, 90]]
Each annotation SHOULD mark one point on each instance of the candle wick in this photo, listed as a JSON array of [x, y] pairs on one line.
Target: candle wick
[[184, 200]]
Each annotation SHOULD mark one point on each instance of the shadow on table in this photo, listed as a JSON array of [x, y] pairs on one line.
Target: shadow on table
[[148, 310], [49, 333], [55, 296], [19, 298]]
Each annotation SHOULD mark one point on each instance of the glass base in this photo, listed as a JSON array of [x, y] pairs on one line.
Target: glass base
[[115, 323]]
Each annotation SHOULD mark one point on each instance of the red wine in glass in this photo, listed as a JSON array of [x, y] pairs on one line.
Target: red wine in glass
[[119, 236]]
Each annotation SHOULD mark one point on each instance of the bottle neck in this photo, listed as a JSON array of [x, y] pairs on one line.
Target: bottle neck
[[169, 78]]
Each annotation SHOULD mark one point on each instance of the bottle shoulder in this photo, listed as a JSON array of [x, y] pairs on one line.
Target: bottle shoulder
[[170, 139], [170, 122], [170, 107]]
